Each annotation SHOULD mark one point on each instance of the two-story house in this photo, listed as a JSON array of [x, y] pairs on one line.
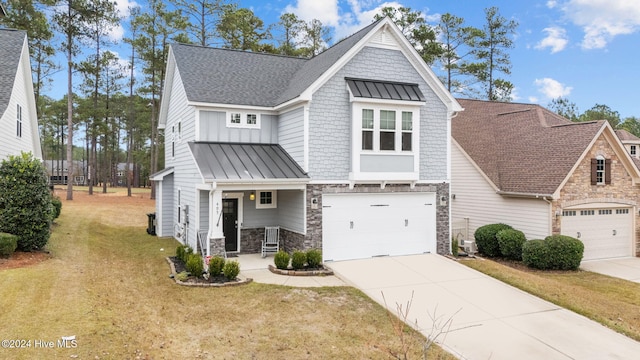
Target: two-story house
[[18, 117], [347, 152]]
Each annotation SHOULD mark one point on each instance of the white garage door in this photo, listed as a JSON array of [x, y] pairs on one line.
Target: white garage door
[[356, 226], [606, 233]]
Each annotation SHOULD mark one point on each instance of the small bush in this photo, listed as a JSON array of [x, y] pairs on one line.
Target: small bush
[[535, 254], [182, 276], [486, 239], [57, 206], [298, 259], [188, 250], [180, 252], [216, 264], [565, 252], [231, 270], [194, 265], [281, 260], [8, 244], [510, 242], [314, 258], [455, 247]]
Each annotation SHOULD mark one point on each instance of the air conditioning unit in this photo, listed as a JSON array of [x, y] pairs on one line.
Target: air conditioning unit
[[469, 246]]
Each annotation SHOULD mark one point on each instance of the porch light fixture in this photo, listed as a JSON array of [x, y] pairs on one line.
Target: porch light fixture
[[252, 196]]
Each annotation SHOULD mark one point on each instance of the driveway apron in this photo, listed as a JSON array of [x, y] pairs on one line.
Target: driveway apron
[[490, 320], [623, 268]]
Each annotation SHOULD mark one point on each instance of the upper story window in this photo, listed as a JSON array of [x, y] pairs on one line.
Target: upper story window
[[19, 121], [633, 150], [387, 129], [600, 171], [243, 120]]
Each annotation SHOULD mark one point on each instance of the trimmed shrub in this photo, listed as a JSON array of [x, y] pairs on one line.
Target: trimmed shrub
[[188, 250], [455, 247], [194, 265], [565, 252], [510, 242], [298, 259], [281, 260], [180, 252], [486, 239], [314, 258], [216, 264], [8, 244], [25, 204], [535, 254], [231, 270], [57, 207]]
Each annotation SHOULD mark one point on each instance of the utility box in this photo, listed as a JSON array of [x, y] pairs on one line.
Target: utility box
[[151, 225]]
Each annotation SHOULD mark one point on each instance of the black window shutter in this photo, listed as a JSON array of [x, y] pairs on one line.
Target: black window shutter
[[594, 173], [607, 171]]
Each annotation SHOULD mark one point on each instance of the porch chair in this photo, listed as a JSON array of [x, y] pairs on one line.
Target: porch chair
[[271, 241]]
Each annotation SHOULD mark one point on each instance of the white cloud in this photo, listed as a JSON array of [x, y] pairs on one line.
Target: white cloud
[[602, 20], [552, 4], [556, 39], [551, 88], [326, 11], [533, 99], [123, 7]]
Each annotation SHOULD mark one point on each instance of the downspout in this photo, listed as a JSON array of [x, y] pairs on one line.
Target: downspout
[[211, 218]]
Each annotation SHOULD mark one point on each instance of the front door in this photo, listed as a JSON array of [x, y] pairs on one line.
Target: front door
[[230, 224]]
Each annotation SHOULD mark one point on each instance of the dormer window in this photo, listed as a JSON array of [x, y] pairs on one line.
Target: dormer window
[[243, 120], [633, 150]]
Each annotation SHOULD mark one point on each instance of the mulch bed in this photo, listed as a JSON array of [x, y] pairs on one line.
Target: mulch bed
[[320, 271], [177, 266], [21, 259]]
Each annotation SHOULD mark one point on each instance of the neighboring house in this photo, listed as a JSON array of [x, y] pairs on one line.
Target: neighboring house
[[18, 118], [58, 172], [347, 152], [525, 166], [631, 142]]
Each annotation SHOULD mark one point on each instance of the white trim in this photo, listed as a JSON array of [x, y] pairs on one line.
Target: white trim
[[305, 116], [258, 187], [244, 119], [274, 199], [232, 107], [159, 208]]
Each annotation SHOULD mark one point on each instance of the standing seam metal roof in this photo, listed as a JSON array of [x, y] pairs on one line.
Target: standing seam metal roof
[[243, 161]]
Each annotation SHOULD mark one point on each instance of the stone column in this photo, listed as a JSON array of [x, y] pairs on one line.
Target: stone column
[[215, 237]]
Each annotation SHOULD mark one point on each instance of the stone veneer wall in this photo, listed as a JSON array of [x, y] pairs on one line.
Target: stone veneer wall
[[578, 189], [313, 238]]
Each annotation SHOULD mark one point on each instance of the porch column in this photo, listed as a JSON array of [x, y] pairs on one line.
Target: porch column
[[216, 233]]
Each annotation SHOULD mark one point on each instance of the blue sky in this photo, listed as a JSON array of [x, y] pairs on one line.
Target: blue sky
[[584, 50]]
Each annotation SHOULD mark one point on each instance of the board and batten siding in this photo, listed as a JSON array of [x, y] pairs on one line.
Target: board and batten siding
[[291, 134], [10, 143], [330, 114], [477, 200], [213, 127], [186, 174]]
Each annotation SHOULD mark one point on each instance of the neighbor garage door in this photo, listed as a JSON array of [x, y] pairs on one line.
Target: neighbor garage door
[[363, 225], [605, 232]]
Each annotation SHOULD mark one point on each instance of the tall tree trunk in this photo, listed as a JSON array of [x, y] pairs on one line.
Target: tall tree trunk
[[69, 111]]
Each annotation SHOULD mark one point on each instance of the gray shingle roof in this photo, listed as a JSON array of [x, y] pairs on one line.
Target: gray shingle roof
[[624, 135], [249, 78], [241, 161], [522, 148], [11, 42]]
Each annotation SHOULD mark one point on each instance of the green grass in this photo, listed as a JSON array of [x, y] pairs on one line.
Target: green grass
[[610, 301], [108, 284]]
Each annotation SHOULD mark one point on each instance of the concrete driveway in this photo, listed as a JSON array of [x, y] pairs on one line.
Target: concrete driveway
[[491, 320], [623, 268]]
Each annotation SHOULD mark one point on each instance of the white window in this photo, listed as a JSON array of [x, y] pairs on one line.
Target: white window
[[266, 200], [19, 121], [243, 120], [387, 129], [600, 164], [173, 141]]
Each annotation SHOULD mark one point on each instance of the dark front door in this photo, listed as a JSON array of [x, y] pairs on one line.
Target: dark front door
[[230, 224]]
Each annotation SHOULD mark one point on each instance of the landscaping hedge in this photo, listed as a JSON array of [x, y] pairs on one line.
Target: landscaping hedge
[[555, 252], [486, 240], [510, 242], [8, 244]]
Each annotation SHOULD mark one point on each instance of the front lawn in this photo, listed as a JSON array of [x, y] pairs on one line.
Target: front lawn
[[108, 285], [610, 301]]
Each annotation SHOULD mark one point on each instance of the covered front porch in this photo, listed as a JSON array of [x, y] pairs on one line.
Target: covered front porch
[[245, 188]]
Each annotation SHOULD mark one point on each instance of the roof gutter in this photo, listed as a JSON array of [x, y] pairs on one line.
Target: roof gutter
[[525, 195]]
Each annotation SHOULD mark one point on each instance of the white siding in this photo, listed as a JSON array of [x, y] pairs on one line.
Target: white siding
[[164, 216], [476, 199], [291, 134], [291, 209], [186, 175], [21, 94]]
